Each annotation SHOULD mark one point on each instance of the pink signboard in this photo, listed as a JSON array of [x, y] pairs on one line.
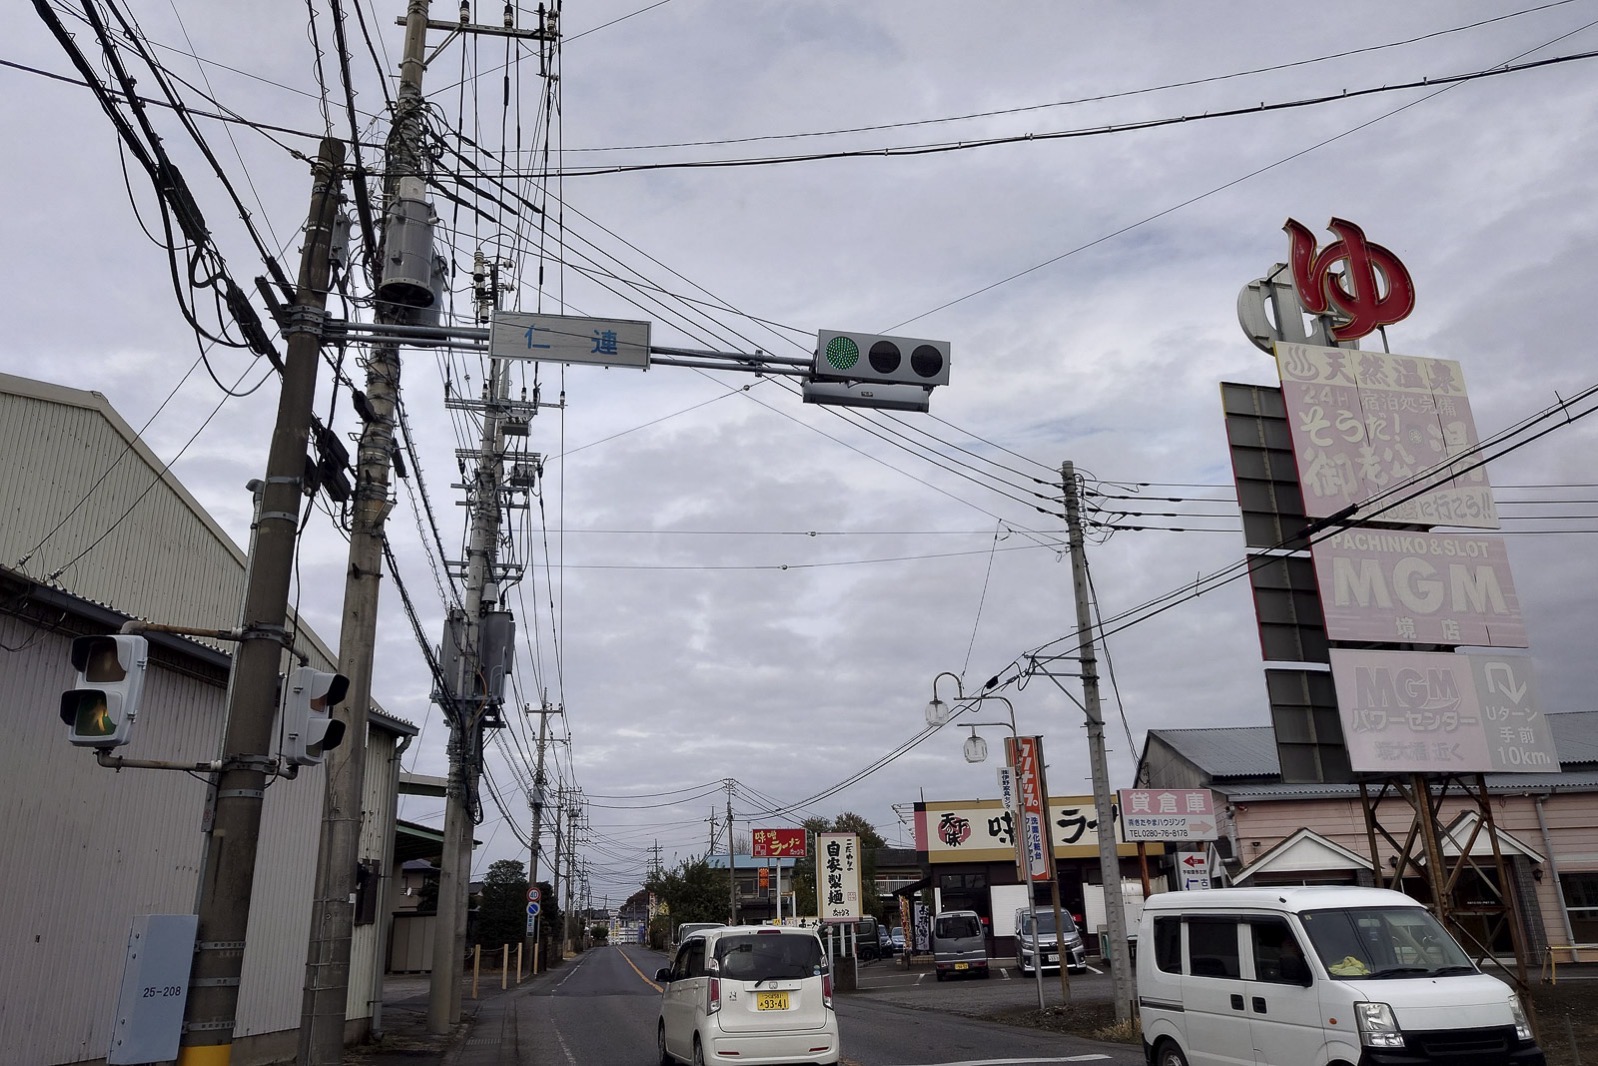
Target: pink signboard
[[1436, 712], [1399, 587], [1364, 423]]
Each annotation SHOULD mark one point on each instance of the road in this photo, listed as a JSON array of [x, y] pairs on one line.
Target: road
[[602, 1009]]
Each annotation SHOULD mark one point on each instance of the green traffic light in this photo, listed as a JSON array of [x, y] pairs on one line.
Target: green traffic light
[[90, 717], [842, 353]]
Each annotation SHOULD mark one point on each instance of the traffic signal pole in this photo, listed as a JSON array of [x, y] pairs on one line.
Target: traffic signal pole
[[228, 872]]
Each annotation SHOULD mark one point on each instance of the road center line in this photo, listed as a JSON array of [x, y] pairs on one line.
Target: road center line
[[639, 972]]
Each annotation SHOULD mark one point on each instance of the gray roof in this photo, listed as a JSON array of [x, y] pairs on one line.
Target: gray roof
[[1227, 752], [1235, 754]]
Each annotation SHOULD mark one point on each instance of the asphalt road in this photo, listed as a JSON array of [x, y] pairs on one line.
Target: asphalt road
[[602, 1011]]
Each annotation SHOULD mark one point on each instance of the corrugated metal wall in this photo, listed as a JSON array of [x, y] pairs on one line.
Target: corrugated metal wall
[[85, 848], [73, 481]]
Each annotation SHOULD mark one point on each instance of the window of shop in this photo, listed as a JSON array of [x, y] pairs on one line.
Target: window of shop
[[1581, 900]]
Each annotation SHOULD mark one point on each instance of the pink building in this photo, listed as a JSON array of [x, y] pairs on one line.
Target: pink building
[[1278, 833]]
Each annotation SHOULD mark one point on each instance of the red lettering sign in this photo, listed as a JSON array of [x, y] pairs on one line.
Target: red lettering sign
[[1355, 293]]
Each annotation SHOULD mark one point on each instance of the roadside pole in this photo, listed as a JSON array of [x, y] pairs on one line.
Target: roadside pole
[[238, 790], [1109, 859]]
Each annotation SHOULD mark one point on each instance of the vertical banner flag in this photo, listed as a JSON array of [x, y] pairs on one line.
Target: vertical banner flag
[[1026, 756]]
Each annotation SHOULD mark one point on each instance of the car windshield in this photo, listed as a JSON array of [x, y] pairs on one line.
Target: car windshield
[[1383, 942], [769, 956], [1045, 923]]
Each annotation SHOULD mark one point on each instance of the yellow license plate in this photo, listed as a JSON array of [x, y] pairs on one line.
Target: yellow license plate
[[771, 1001], [962, 966]]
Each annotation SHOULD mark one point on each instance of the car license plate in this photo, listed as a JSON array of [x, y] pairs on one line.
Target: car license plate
[[962, 966], [771, 1001]]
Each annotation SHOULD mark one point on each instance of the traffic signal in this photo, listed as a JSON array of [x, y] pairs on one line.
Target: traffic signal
[[100, 708], [309, 728], [848, 356]]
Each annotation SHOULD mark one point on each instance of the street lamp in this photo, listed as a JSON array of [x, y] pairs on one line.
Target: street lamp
[[975, 750]]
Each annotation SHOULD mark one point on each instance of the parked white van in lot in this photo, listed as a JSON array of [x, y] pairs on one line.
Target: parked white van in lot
[[754, 994], [1325, 975]]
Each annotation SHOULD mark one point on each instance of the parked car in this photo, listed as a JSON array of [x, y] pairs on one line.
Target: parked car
[[750, 994], [896, 936], [958, 945], [1285, 976], [1027, 945]]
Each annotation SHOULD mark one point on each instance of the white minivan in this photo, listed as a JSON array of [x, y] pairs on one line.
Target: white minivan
[[755, 994], [1313, 976]]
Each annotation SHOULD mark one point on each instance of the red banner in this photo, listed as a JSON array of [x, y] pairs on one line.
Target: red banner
[[777, 843]]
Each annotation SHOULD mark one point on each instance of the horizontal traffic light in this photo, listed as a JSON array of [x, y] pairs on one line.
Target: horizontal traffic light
[[849, 356]]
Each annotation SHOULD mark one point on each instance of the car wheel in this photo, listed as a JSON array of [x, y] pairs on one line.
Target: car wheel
[[940, 975], [699, 1053], [660, 1040], [1168, 1054], [986, 974]]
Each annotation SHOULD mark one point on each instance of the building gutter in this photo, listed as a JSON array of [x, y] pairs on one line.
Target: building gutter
[[1553, 868]]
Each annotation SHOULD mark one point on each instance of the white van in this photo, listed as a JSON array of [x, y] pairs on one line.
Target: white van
[[747, 993], [1325, 975]]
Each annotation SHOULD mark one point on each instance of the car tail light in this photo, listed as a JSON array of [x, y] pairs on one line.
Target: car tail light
[[826, 990], [715, 996]]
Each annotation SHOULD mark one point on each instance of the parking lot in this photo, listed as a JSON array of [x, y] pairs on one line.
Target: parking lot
[[916, 985]]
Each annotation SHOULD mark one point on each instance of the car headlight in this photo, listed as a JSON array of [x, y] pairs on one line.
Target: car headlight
[[1522, 1027], [1377, 1026]]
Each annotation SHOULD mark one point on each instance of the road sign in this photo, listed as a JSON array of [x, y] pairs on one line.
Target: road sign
[[1193, 867], [533, 909], [1168, 814], [533, 895], [568, 339], [773, 843]]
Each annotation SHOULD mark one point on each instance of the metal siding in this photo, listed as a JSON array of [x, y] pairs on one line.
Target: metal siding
[[95, 508]]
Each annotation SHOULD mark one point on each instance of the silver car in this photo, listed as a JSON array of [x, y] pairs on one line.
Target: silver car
[[754, 994]]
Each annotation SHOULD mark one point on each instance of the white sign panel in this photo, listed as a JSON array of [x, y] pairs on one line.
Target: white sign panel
[[1193, 867], [568, 339], [1426, 712], [155, 988], [838, 874], [1365, 422], [1397, 586], [984, 831], [1168, 814]]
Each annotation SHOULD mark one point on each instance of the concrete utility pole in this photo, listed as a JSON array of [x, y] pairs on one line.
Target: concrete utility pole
[[732, 873], [537, 803], [1109, 859], [327, 967], [238, 790]]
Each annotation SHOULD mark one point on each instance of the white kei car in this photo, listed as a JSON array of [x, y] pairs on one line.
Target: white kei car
[[752, 994]]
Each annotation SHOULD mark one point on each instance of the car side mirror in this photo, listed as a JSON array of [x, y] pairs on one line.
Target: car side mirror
[[663, 975]]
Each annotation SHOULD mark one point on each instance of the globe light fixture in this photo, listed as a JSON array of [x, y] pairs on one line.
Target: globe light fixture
[[976, 749]]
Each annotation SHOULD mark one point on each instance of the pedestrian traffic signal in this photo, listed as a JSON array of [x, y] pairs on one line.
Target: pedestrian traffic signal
[[100, 707], [309, 728], [847, 356]]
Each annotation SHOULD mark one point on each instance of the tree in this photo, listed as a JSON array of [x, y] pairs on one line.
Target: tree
[[692, 892], [502, 910], [804, 879]]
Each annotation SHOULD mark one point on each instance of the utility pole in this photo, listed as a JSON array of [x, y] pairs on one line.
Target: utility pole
[[732, 874], [239, 788], [571, 875], [327, 967], [537, 803], [1109, 859], [554, 879]]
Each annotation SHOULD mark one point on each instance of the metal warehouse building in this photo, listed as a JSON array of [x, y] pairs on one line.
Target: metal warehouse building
[[94, 532]]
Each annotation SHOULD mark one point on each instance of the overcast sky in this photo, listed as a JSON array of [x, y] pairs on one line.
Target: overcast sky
[[723, 583]]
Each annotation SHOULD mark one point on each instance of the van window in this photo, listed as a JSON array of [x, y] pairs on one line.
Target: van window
[[1278, 957], [1212, 947], [692, 959], [1168, 944], [766, 957], [958, 926], [1383, 942]]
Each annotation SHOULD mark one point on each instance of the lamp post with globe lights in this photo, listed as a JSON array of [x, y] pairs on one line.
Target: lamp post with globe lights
[[975, 750]]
